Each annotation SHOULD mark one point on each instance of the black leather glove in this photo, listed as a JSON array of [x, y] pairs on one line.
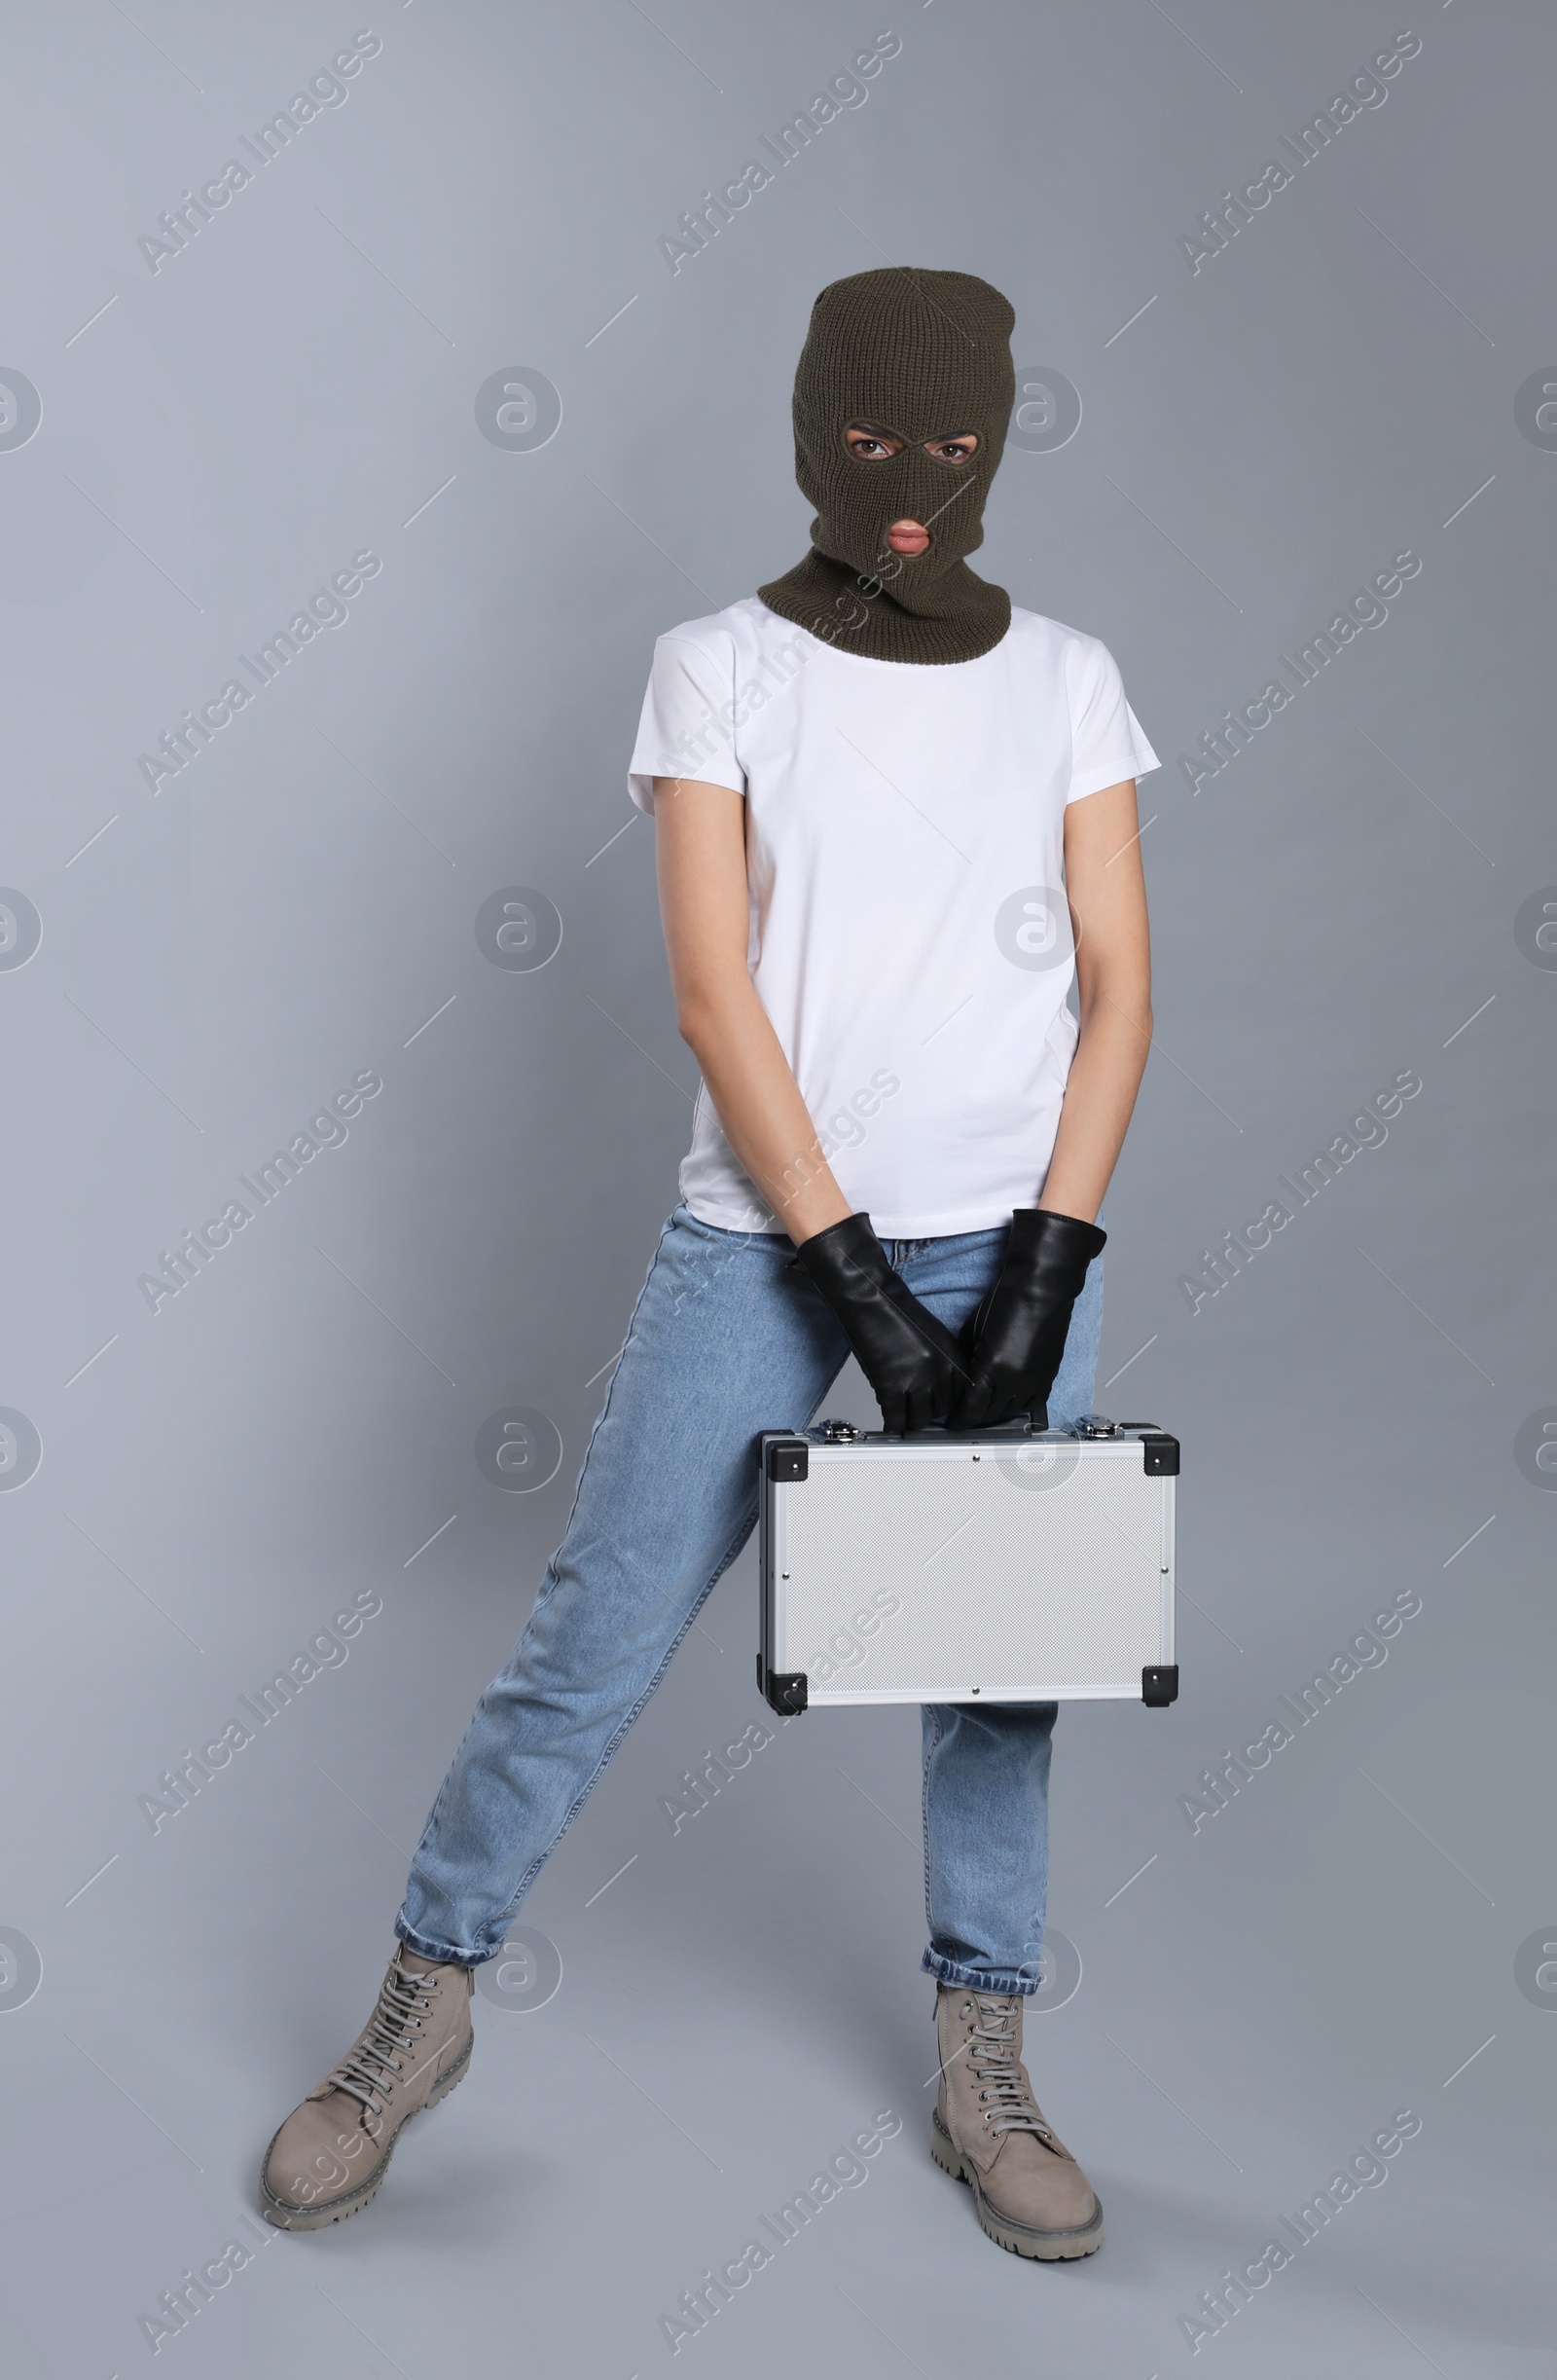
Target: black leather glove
[[1019, 1332], [910, 1360]]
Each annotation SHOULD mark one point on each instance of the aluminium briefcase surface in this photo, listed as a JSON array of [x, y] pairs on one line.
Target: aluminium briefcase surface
[[1003, 1565]]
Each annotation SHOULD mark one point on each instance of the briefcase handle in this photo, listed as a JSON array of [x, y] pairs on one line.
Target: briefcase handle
[[1021, 1425]]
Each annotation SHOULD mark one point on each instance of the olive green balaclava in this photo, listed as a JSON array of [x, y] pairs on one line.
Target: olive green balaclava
[[925, 355]]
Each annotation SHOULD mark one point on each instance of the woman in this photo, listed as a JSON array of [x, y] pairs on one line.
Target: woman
[[870, 782]]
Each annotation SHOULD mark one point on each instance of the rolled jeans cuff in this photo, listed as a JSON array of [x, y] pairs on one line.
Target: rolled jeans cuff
[[425, 1948], [980, 1979]]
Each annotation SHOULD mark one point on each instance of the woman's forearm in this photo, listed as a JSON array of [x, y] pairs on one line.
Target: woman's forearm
[[1098, 1099], [701, 857], [1113, 982], [759, 1104]]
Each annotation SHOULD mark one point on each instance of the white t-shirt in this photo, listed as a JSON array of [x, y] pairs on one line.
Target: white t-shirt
[[910, 939]]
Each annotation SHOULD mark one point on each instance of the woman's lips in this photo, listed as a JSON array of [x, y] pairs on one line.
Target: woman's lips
[[908, 537]]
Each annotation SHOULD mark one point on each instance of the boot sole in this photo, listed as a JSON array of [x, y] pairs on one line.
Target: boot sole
[[287, 2217], [1021, 2239]]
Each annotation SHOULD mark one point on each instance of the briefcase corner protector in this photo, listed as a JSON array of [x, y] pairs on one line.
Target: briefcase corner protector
[[785, 1691]]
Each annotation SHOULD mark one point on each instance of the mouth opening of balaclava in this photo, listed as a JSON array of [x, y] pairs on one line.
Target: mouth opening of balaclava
[[925, 355]]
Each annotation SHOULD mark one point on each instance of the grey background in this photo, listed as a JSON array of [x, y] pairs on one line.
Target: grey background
[[217, 960]]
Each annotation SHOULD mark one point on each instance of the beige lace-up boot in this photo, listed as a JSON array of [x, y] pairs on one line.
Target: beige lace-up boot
[[989, 2131], [331, 2154]]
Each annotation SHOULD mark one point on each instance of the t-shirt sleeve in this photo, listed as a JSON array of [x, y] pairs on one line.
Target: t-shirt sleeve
[[684, 730], [1106, 741]]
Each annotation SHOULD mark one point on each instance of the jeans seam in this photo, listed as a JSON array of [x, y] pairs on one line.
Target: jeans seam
[[930, 1751]]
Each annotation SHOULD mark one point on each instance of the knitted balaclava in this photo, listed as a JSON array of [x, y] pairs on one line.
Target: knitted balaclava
[[925, 355]]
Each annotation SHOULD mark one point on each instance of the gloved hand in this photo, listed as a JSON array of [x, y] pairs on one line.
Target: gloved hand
[[1019, 1332], [910, 1360]]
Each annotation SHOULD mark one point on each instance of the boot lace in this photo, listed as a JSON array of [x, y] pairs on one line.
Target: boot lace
[[370, 2071], [1005, 2095]]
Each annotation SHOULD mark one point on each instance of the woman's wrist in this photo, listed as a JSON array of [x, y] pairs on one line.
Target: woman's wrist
[[816, 1208]]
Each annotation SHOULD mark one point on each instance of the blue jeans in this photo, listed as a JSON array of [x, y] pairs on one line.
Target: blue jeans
[[726, 1340]]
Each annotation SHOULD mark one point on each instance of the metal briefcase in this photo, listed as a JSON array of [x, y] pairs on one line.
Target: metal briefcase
[[1003, 1565]]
